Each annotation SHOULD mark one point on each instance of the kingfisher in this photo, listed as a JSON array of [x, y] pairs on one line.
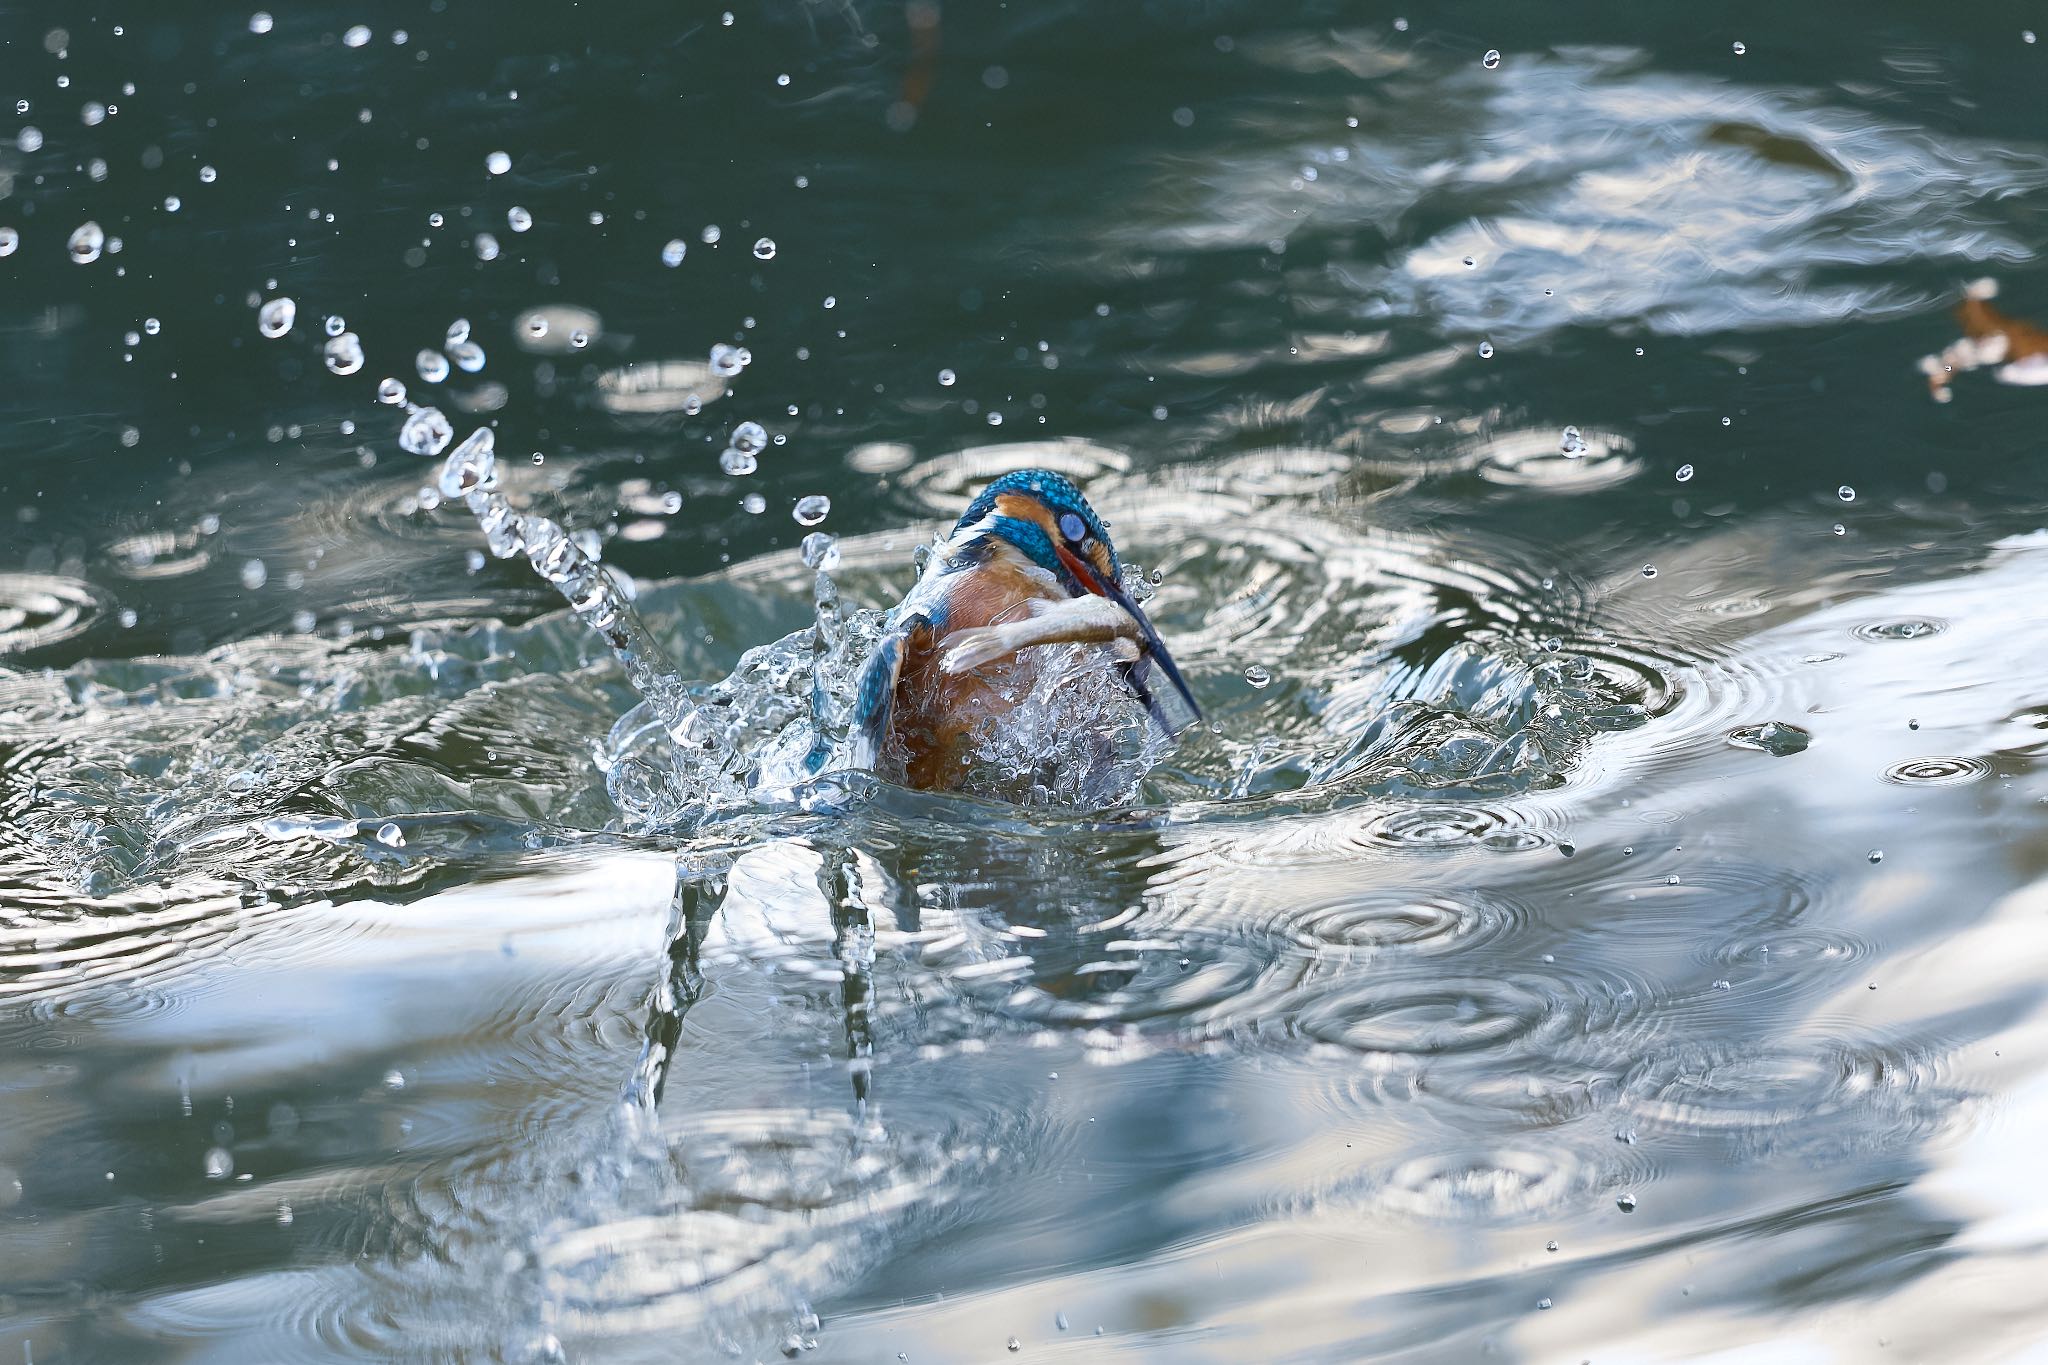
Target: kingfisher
[[1029, 565]]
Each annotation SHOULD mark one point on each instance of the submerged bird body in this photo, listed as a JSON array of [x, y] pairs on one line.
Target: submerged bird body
[[1027, 571]]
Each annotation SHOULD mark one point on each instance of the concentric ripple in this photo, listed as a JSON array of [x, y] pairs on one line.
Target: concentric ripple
[[1948, 770], [1819, 1092], [1907, 628], [41, 609], [1441, 828]]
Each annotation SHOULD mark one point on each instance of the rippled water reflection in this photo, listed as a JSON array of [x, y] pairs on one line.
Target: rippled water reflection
[[1602, 917]]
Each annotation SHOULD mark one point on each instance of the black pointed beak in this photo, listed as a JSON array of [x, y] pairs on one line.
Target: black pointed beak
[[1175, 712]]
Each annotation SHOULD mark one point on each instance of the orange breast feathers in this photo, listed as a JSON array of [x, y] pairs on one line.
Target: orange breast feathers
[[936, 713]]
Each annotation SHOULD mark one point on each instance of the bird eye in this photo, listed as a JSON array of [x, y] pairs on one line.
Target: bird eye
[[1072, 527]]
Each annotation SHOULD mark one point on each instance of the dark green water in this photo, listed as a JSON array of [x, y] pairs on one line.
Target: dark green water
[[1481, 982]]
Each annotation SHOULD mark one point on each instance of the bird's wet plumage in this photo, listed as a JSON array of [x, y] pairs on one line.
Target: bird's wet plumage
[[1028, 570]]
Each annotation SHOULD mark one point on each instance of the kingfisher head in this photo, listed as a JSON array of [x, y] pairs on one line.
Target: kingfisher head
[[1045, 517]]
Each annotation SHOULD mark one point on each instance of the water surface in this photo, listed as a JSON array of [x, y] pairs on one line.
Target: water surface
[[1602, 918]]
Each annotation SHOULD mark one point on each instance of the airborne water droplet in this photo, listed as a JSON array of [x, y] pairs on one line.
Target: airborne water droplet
[[426, 432], [1740, 49], [276, 317], [764, 250], [344, 353], [812, 509], [749, 437], [497, 163], [1685, 473], [947, 379], [518, 218], [432, 365], [391, 836], [1486, 350], [86, 243], [390, 391], [673, 253], [1491, 59], [359, 36], [1846, 493], [471, 465], [1258, 675]]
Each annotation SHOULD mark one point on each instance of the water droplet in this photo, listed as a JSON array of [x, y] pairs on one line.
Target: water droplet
[[486, 247], [1258, 675], [172, 203], [207, 175], [518, 219], [1015, 1345], [672, 254], [470, 466], [220, 1163], [947, 379], [754, 503], [1840, 529], [709, 236], [335, 324], [812, 509], [749, 437], [821, 551], [1572, 443], [497, 163], [390, 391], [457, 333], [1846, 493], [537, 325], [391, 836], [1542, 1303], [1486, 350], [254, 575], [1491, 59], [725, 360], [344, 353], [29, 139], [1685, 473], [738, 462], [1627, 1203], [359, 36], [468, 356], [764, 250], [1649, 570], [1550, 1245], [86, 243], [10, 241], [1739, 49], [259, 22], [276, 317], [1877, 855], [432, 365], [578, 339], [426, 432]]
